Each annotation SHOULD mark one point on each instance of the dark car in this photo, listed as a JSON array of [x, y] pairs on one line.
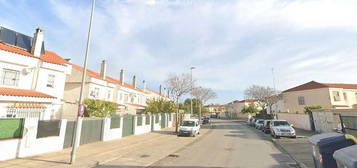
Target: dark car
[[266, 126], [205, 120]]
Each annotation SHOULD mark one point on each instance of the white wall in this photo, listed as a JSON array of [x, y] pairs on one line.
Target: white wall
[[301, 121], [143, 128], [157, 126], [172, 119], [111, 134], [29, 145], [33, 146]]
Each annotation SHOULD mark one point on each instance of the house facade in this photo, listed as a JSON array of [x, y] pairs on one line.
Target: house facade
[[130, 99], [32, 79], [216, 108], [327, 95]]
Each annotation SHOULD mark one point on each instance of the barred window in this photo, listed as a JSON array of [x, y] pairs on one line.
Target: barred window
[[51, 81], [10, 77]]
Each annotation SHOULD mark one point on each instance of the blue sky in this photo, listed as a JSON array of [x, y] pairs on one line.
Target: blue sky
[[233, 44]]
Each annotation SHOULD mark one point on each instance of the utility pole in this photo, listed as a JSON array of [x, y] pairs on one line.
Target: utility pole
[[78, 127], [192, 68]]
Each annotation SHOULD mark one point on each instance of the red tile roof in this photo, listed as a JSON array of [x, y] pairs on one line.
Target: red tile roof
[[49, 56], [53, 58], [247, 101], [97, 75], [23, 93], [317, 85]]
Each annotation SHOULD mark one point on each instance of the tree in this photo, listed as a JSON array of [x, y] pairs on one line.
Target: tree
[[308, 109], [195, 105], [203, 95], [251, 109], [99, 108], [160, 106], [263, 95], [178, 85]]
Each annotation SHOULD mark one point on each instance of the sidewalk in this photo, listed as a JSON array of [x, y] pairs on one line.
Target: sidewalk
[[139, 150], [299, 149]]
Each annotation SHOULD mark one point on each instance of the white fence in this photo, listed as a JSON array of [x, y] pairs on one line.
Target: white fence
[[30, 145]]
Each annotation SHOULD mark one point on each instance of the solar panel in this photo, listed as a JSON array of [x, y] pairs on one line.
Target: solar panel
[[8, 36], [23, 41]]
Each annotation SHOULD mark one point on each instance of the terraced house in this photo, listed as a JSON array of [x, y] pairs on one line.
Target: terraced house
[[32, 78], [129, 97]]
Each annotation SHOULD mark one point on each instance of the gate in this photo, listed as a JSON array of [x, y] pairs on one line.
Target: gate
[[91, 132], [312, 123], [349, 124], [163, 120], [128, 125], [69, 134]]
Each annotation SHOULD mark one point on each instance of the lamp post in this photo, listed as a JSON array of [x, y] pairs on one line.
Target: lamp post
[[192, 68], [78, 127]]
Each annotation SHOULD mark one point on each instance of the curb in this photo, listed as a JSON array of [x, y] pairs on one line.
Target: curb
[[300, 164]]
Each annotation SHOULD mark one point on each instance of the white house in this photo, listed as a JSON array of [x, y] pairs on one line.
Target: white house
[[32, 79], [129, 97]]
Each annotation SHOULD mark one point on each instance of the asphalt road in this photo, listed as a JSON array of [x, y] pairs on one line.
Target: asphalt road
[[229, 144]]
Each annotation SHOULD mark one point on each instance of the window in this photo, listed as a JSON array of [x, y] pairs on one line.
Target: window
[[10, 77], [95, 92], [345, 96], [336, 96], [50, 81], [301, 100], [126, 98], [121, 96], [109, 94]]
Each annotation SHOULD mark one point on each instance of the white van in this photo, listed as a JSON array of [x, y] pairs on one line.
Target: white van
[[189, 127]]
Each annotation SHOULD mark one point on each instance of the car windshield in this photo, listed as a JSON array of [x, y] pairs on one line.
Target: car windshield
[[280, 123], [188, 123], [261, 121]]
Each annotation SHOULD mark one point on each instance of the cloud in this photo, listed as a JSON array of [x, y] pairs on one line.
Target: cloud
[[233, 44]]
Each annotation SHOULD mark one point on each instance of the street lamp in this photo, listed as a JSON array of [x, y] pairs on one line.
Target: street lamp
[[78, 127], [192, 68]]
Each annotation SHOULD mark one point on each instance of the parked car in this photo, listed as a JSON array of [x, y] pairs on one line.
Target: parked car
[[266, 126], [205, 120], [281, 128], [259, 124], [189, 127]]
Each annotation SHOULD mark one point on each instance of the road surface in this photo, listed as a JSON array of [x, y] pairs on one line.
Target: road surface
[[229, 144]]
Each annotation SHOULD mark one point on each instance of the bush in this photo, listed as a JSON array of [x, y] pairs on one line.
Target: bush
[[308, 109], [250, 109], [160, 106], [99, 108]]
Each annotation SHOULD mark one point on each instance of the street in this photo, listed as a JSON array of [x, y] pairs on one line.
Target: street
[[229, 144]]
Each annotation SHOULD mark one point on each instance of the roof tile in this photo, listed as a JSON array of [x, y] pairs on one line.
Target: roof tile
[[23, 93]]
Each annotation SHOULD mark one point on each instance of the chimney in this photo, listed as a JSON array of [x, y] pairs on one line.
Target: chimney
[[144, 85], [122, 77], [134, 82], [37, 43], [160, 89], [103, 69]]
